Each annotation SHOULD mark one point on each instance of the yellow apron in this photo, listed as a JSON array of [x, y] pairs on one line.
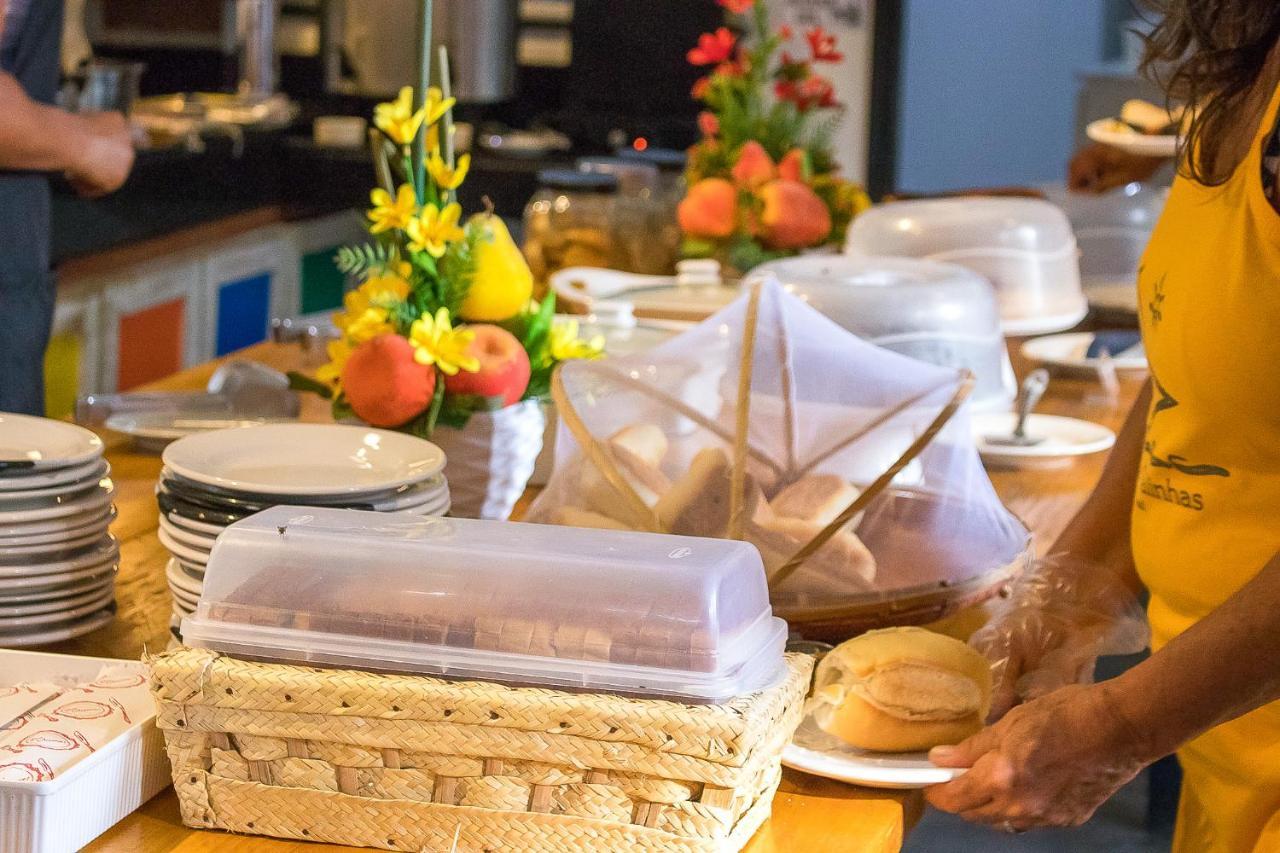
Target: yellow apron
[[1207, 506]]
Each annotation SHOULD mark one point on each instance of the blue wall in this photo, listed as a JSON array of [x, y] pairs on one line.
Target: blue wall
[[988, 89]]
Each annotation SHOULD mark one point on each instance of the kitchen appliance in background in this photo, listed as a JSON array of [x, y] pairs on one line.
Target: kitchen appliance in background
[[366, 51], [196, 45]]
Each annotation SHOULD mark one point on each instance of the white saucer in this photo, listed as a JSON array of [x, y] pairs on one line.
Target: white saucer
[[1063, 437], [94, 499], [186, 537], [89, 593], [95, 473], [44, 550], [42, 444], [192, 525], [814, 751], [180, 581], [1144, 145], [57, 634], [156, 429], [304, 459], [99, 601], [1071, 352], [57, 527], [107, 552], [76, 583], [40, 479], [186, 552]]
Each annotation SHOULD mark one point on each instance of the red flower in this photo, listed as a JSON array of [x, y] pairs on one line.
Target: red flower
[[823, 45], [708, 123], [713, 48], [785, 33], [737, 6], [806, 94], [701, 88]]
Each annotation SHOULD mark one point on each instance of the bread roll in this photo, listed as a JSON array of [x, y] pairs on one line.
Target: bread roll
[[645, 441], [902, 690], [698, 503], [1150, 118], [817, 498], [840, 568], [647, 481]]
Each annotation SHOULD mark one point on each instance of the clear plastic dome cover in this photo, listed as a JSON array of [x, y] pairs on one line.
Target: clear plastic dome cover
[[940, 313], [851, 468], [1024, 246]]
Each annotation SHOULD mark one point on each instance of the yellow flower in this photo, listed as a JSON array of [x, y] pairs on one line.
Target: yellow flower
[[377, 294], [367, 325], [437, 105], [397, 119], [339, 351], [564, 343], [386, 290], [391, 212], [445, 177], [433, 228], [435, 341]]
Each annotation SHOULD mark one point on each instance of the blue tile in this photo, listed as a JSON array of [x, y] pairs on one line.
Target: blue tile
[[244, 308]]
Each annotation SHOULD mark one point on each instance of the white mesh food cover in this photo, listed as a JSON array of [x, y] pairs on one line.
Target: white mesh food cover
[[858, 479]]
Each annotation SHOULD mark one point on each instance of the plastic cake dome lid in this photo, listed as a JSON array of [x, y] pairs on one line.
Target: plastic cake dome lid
[[935, 226], [876, 297], [523, 604]]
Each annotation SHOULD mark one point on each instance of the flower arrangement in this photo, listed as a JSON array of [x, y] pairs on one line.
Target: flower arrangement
[[762, 181], [443, 323]]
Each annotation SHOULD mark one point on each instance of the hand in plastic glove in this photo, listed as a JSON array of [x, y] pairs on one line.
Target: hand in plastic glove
[[1058, 619], [1050, 762]]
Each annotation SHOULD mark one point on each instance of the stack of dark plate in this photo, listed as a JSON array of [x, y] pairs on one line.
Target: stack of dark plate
[[57, 560], [214, 479]]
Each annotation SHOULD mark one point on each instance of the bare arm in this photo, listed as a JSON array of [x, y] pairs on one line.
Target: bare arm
[[1099, 533], [95, 151]]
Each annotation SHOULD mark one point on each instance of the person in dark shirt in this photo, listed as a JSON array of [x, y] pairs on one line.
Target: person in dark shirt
[[94, 152]]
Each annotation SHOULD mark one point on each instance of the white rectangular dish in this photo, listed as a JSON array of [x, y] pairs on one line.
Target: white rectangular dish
[[67, 812]]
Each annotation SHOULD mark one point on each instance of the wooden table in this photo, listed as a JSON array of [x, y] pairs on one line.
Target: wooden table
[[809, 814]]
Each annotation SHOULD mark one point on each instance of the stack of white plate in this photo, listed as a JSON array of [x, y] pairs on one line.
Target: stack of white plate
[[214, 479], [57, 561]]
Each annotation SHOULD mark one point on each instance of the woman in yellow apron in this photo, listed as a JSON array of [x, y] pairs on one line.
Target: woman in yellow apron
[[1188, 508]]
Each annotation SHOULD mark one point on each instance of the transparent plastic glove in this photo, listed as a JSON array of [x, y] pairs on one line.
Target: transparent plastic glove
[[1059, 618]]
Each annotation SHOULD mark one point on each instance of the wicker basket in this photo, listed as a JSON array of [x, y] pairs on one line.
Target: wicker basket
[[415, 763]]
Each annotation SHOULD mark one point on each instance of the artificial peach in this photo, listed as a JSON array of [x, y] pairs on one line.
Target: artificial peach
[[708, 209], [754, 166], [504, 366], [792, 215], [384, 385], [792, 166]]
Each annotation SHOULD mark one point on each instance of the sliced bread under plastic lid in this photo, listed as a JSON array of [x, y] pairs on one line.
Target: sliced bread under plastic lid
[[596, 610]]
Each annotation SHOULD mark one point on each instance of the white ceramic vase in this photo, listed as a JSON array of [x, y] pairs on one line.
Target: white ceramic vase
[[490, 460]]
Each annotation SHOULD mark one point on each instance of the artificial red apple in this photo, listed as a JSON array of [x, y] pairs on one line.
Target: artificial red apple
[[792, 216], [708, 209], [504, 366], [383, 383]]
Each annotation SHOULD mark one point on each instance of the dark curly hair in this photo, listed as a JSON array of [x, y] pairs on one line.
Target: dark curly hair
[[1209, 55]]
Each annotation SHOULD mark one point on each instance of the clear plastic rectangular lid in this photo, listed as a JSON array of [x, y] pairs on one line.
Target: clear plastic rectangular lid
[[597, 610]]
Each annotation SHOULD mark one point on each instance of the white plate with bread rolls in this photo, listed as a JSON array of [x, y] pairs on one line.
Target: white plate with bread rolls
[[882, 700]]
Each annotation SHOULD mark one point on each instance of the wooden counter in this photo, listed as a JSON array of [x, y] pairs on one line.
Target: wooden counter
[[809, 814]]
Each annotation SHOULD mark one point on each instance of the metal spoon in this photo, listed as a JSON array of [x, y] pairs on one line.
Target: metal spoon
[[1033, 388]]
